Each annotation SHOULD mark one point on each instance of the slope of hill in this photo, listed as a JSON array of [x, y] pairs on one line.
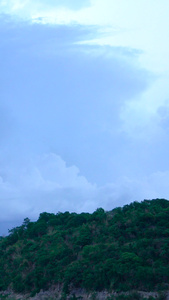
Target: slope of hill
[[120, 250]]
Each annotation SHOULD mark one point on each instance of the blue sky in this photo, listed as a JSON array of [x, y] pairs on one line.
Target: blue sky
[[83, 105]]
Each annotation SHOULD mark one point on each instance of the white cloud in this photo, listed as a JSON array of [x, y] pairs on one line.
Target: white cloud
[[29, 9], [118, 115], [50, 172], [42, 184], [48, 184], [127, 189], [139, 25], [142, 117], [143, 26]]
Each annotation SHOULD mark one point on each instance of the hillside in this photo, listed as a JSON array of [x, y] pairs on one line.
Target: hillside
[[120, 250]]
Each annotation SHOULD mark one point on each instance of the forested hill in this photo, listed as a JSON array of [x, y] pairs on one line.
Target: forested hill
[[123, 249]]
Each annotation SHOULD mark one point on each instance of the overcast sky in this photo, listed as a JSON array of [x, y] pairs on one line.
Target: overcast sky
[[84, 105]]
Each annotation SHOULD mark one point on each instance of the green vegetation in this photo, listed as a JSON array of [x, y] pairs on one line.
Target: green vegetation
[[122, 250]]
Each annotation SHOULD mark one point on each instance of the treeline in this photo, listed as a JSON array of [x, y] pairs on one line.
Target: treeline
[[121, 250]]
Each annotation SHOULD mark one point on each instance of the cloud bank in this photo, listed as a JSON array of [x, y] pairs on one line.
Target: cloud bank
[[83, 108], [48, 184]]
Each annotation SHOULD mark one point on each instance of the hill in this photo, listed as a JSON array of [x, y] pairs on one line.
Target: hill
[[120, 250]]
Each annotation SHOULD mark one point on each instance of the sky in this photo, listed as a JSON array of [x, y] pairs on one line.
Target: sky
[[84, 105]]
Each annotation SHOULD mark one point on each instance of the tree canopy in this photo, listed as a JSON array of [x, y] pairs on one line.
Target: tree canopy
[[124, 249]]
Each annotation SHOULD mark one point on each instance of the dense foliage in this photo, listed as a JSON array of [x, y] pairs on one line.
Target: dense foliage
[[123, 249]]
